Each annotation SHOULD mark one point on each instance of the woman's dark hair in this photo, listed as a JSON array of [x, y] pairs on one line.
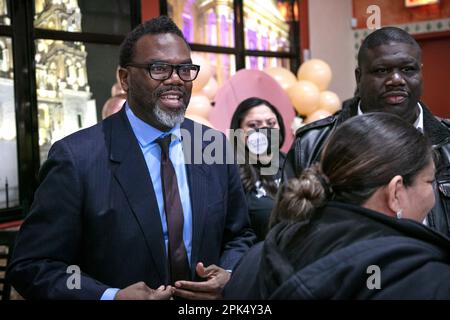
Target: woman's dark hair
[[249, 174], [245, 106], [362, 155]]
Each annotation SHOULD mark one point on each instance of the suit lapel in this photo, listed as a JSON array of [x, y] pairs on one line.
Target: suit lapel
[[132, 175], [198, 175]]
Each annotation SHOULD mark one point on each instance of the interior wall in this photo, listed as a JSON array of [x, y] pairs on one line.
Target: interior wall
[[395, 12], [330, 39], [436, 73], [149, 9]]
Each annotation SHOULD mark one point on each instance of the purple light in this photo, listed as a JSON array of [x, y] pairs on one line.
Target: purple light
[[211, 26], [223, 30]]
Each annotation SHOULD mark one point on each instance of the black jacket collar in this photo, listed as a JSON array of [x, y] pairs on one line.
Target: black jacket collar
[[438, 133], [292, 247]]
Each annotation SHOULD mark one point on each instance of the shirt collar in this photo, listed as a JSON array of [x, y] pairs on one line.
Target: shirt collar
[[418, 123], [145, 133]]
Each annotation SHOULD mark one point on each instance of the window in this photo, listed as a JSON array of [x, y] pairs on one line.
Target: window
[[74, 78], [4, 13], [9, 183], [73, 81], [204, 22], [266, 26], [268, 36], [67, 52], [9, 174], [260, 63], [99, 16], [222, 65]]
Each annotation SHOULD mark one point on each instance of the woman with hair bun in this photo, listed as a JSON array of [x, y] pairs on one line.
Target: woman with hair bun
[[351, 226]]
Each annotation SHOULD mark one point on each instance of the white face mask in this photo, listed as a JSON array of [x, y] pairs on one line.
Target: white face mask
[[261, 144]]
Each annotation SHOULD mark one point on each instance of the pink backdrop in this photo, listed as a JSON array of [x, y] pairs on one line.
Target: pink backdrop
[[251, 83]]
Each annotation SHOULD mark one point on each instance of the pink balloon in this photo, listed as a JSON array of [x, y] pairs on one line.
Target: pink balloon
[[246, 84]]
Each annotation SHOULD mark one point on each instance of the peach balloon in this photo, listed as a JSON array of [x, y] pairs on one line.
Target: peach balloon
[[317, 115], [317, 71], [112, 105], [304, 96], [329, 101], [284, 77], [204, 74], [199, 119], [117, 74], [117, 90], [199, 106], [210, 89]]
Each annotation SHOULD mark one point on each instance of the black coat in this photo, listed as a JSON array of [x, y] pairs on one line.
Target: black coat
[[330, 257], [260, 207], [310, 141]]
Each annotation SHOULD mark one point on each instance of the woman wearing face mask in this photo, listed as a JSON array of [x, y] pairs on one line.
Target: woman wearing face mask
[[351, 227], [259, 146]]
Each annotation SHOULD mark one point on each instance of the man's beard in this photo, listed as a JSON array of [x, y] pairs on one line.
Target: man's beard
[[169, 119]]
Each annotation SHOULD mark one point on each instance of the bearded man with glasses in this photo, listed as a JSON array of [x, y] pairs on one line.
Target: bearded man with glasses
[[119, 207]]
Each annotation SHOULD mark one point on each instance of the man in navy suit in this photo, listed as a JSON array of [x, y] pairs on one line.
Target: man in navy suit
[[98, 227]]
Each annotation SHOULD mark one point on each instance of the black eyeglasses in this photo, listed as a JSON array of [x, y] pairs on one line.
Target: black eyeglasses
[[163, 71]]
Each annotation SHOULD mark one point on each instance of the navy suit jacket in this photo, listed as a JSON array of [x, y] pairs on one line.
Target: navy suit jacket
[[95, 208]]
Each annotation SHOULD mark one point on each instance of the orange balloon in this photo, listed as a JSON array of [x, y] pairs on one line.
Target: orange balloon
[[204, 74], [329, 101], [304, 96], [317, 71], [210, 89], [199, 119], [199, 106], [284, 77], [317, 115]]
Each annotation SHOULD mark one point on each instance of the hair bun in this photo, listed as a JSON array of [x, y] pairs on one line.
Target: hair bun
[[299, 197]]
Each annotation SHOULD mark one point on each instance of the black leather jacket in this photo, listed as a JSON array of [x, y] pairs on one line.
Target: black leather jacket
[[310, 140]]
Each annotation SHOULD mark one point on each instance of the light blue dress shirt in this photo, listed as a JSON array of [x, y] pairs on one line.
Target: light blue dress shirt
[[146, 136]]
